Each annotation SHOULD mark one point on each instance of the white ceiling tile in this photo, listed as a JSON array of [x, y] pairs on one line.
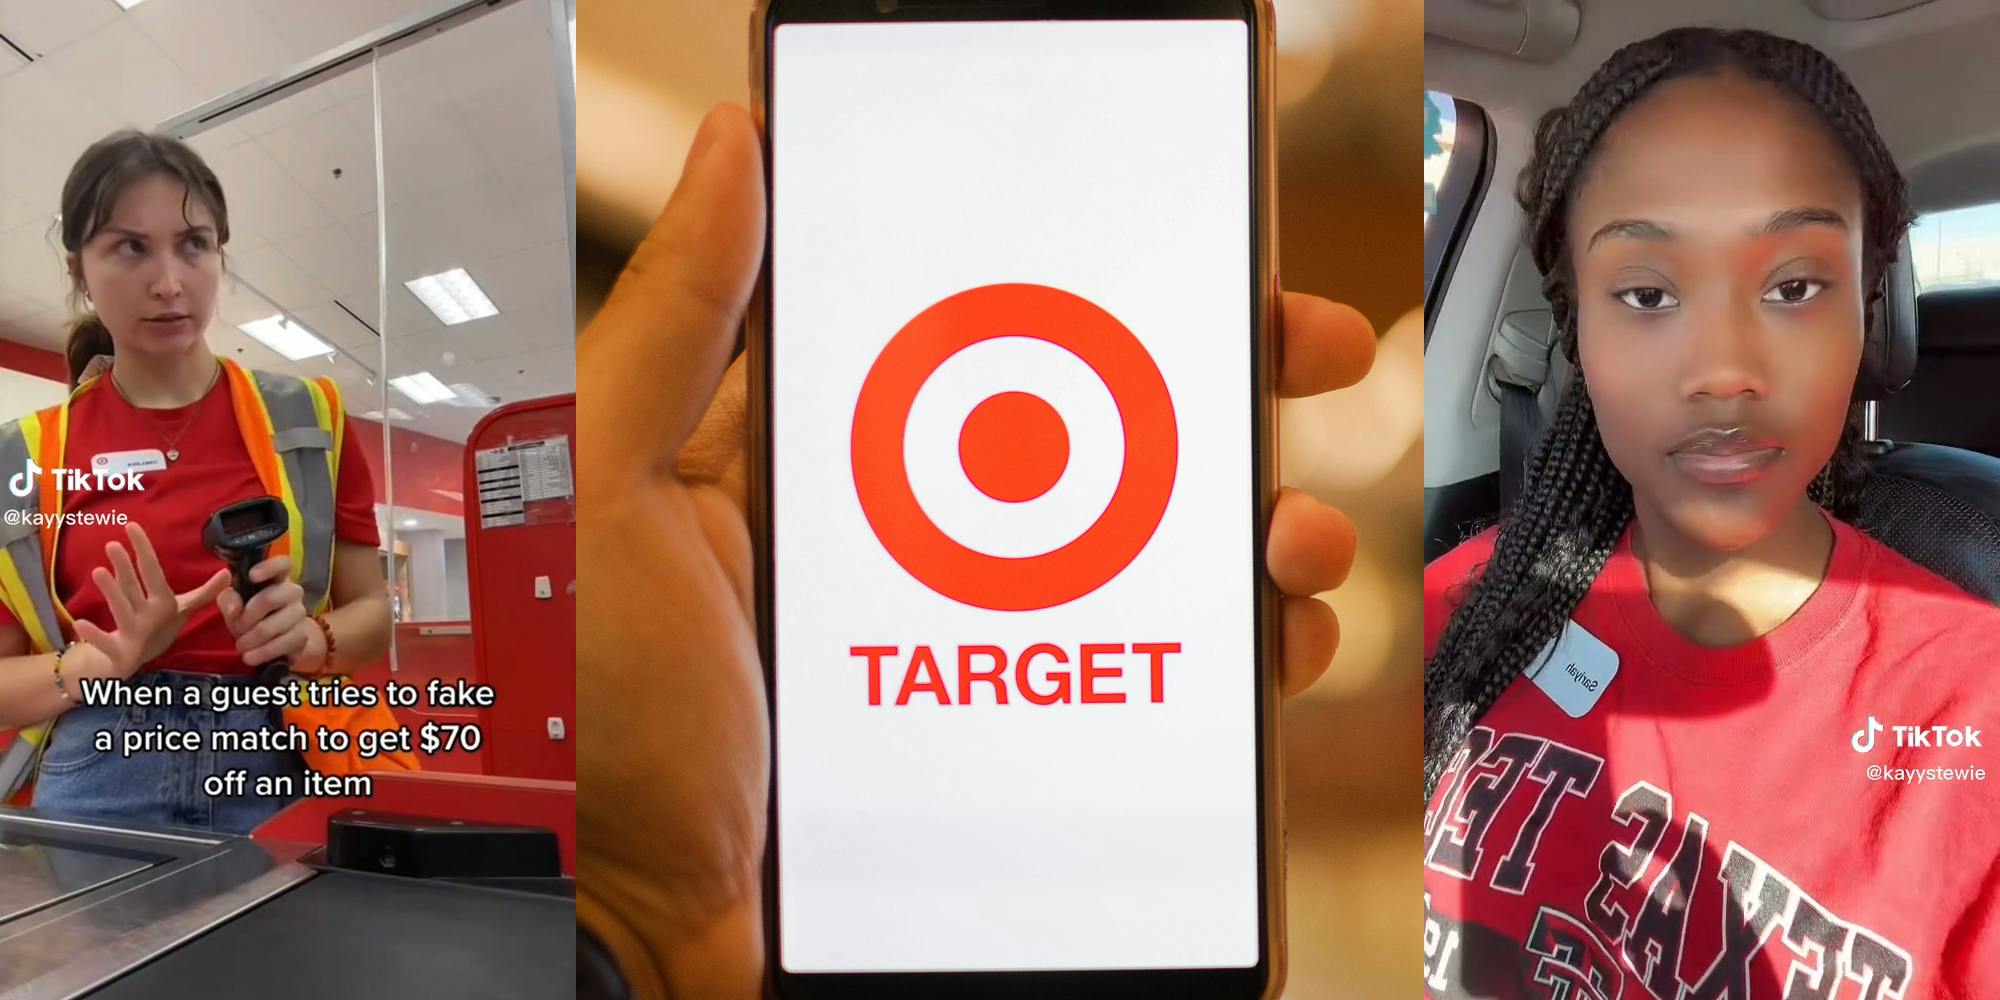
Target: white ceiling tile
[[446, 353], [13, 306], [336, 261], [339, 138], [541, 196], [42, 106], [308, 99], [273, 275], [243, 237], [31, 264], [513, 126], [262, 196], [15, 212], [42, 26], [407, 315], [333, 324], [227, 134], [362, 228], [221, 45], [329, 365], [32, 175], [48, 329], [550, 326], [426, 148], [533, 277], [314, 26], [473, 221], [229, 342], [216, 141], [127, 74], [236, 305], [535, 375]]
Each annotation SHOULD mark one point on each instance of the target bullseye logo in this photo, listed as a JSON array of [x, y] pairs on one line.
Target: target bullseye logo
[[1014, 447]]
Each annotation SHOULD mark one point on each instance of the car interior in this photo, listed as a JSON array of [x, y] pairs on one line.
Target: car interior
[[1931, 363]]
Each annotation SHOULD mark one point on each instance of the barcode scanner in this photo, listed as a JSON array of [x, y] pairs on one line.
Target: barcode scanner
[[239, 535]]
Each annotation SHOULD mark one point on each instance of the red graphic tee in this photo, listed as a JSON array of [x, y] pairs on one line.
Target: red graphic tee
[[214, 470], [1708, 827]]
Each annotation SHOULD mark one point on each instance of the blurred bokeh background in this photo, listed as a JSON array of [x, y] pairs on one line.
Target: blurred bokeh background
[[1349, 183]]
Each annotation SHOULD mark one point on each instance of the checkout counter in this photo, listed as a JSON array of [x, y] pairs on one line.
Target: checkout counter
[[91, 909]]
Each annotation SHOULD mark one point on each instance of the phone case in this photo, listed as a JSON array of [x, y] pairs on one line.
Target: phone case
[[1263, 172]]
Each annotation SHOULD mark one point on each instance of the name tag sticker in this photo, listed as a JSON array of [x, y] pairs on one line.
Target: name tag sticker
[[1574, 669], [143, 460]]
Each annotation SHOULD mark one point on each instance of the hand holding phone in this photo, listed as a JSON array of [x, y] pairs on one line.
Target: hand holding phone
[[669, 681]]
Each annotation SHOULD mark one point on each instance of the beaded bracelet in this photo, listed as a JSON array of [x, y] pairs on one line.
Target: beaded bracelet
[[60, 653], [326, 632]]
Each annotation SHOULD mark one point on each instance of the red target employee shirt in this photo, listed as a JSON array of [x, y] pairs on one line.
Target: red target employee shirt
[[214, 470], [1708, 827]]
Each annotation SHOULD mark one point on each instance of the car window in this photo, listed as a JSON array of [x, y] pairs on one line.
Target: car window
[[1959, 248], [1440, 135]]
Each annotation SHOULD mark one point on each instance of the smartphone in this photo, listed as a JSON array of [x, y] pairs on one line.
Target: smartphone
[[1012, 397]]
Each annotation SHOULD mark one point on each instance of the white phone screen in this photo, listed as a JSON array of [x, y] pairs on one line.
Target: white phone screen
[[1012, 486]]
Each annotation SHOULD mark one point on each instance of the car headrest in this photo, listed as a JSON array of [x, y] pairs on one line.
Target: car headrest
[[1889, 355], [1960, 319], [1940, 508]]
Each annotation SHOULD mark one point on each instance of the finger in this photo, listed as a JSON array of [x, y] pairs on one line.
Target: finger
[[1311, 546], [230, 603], [271, 600], [149, 572], [212, 589], [263, 644], [1311, 633], [268, 631], [289, 644], [648, 364], [1322, 345], [125, 573], [717, 454], [122, 611], [271, 569]]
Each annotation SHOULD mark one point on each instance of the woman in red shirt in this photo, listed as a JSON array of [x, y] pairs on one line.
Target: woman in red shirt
[[143, 225], [1653, 695]]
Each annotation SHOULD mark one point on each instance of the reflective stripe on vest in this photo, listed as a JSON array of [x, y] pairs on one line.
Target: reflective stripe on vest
[[299, 414], [23, 576]]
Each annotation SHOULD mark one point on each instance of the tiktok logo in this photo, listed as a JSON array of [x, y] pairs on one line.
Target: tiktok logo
[[1864, 738], [23, 482]]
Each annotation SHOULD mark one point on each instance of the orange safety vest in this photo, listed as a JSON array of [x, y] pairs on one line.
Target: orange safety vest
[[293, 428]]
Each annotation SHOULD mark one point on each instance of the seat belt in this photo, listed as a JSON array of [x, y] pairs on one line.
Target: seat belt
[[1520, 426], [1519, 366]]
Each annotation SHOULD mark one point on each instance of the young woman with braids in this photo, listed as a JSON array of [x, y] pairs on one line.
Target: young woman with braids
[[1652, 693]]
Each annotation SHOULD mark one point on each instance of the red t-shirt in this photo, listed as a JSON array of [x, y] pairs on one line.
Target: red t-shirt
[[1707, 828], [214, 470]]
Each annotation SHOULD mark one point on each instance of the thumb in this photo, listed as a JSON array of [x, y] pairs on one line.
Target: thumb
[[90, 633], [649, 362], [206, 592]]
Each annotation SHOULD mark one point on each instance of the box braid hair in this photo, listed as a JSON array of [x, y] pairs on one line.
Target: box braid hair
[[1574, 505]]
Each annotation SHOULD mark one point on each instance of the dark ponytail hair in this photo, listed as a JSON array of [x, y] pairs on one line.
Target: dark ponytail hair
[[1574, 505], [103, 173]]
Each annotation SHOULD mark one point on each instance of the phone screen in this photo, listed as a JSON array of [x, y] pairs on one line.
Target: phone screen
[[1012, 460]]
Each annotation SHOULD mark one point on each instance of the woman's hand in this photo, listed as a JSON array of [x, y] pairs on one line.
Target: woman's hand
[[668, 676], [274, 623], [146, 614]]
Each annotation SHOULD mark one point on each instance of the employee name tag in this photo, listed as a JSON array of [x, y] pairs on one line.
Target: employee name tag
[[1574, 669], [143, 460]]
